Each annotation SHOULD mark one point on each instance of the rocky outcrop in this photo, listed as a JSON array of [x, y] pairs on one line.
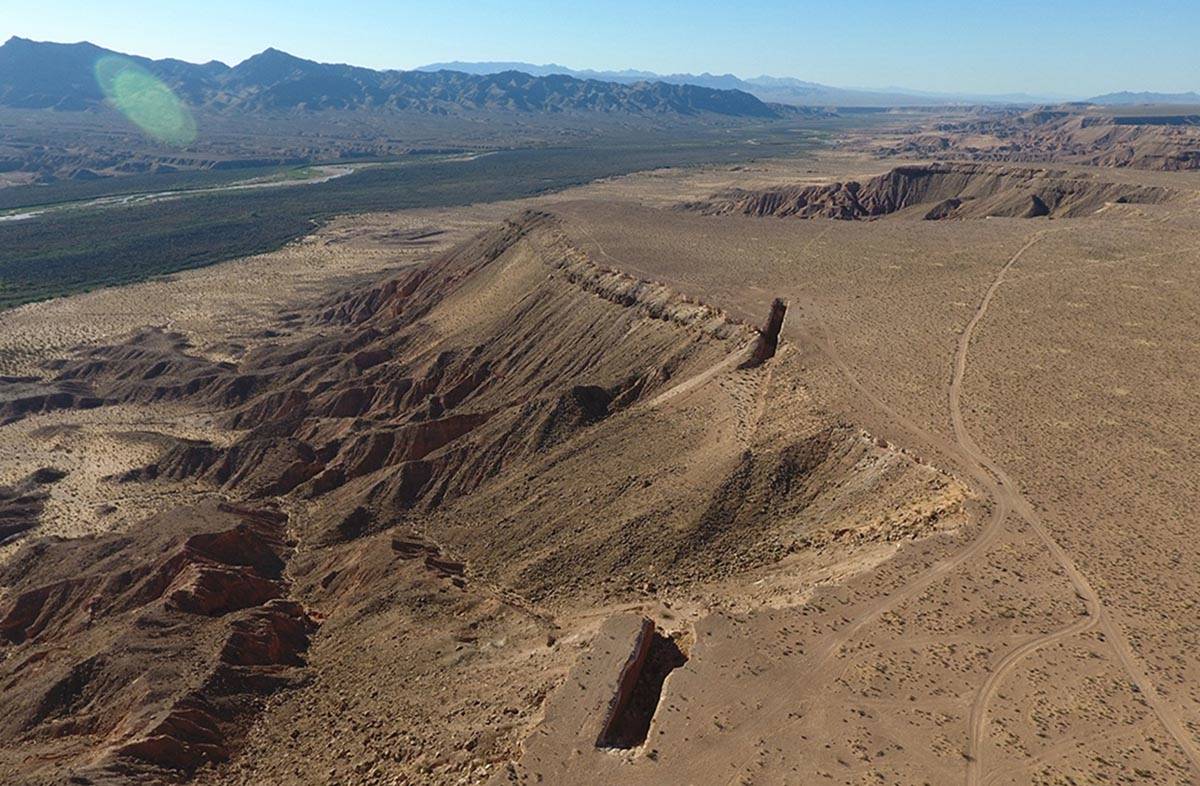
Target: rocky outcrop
[[157, 643], [768, 337], [610, 729], [1097, 136], [360, 409], [21, 504], [540, 429], [201, 727], [937, 192], [24, 396]]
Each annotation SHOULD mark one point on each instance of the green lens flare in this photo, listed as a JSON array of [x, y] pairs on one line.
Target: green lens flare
[[145, 100]]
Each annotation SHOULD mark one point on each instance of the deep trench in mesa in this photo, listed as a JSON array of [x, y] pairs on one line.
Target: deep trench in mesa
[[639, 691]]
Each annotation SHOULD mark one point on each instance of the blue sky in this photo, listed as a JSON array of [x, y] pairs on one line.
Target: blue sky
[[1069, 47]]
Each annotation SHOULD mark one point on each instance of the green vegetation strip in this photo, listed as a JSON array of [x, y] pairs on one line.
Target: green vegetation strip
[[79, 250]]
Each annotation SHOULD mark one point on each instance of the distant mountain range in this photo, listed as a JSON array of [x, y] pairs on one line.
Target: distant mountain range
[[39, 75], [782, 90], [1126, 98], [36, 75]]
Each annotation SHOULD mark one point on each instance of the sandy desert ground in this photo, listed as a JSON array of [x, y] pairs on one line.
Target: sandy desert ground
[[944, 535], [1052, 357]]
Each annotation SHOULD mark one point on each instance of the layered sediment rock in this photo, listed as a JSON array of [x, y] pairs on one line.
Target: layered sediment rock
[[937, 192], [156, 644], [535, 424]]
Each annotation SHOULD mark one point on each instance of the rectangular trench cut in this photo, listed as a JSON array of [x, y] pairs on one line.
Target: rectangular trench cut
[[639, 689]]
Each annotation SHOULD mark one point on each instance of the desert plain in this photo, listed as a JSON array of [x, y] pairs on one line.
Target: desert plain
[[525, 503]]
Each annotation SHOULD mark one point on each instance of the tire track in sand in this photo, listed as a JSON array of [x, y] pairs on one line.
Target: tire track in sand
[[1005, 498], [1007, 495]]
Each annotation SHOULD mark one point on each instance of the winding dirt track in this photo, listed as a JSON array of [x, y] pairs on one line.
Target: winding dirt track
[[1005, 498], [1006, 494]]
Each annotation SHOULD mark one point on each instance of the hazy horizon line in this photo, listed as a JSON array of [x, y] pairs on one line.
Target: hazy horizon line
[[1032, 93]]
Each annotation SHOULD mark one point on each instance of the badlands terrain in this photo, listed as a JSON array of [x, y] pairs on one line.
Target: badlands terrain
[[823, 469]]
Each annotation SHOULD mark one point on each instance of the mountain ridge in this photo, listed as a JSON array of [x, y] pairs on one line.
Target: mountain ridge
[[48, 75], [1130, 98], [772, 89]]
